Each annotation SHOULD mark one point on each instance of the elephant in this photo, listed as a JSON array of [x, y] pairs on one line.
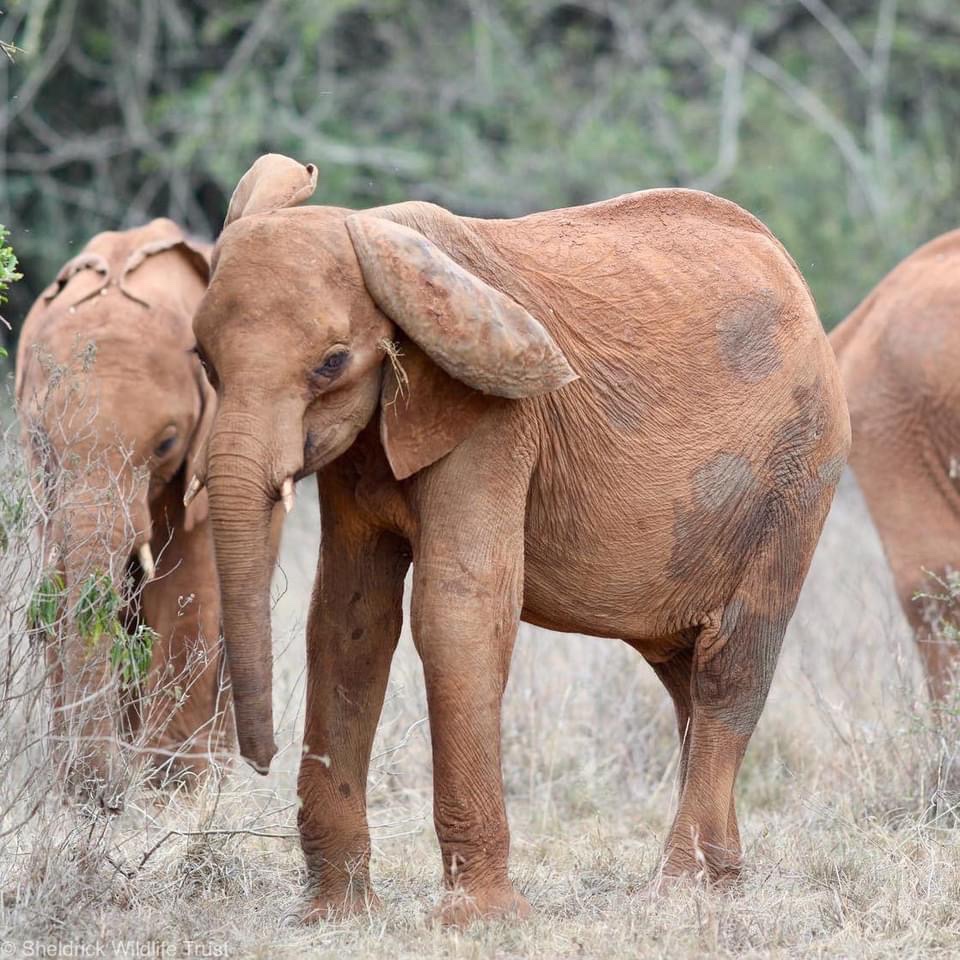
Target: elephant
[[622, 419], [895, 352], [113, 408]]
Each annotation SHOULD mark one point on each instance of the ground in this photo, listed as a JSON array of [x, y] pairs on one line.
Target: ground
[[850, 848]]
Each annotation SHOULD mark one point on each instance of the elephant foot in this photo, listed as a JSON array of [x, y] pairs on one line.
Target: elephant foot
[[459, 909], [332, 908], [717, 868]]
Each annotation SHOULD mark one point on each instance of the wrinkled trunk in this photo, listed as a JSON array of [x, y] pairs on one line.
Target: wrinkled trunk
[[102, 515], [88, 707], [242, 494]]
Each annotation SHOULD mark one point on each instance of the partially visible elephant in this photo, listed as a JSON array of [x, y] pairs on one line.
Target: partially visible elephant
[[899, 354], [114, 405], [621, 419]]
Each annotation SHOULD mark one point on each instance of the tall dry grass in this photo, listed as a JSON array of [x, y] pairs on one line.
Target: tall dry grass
[[845, 803]]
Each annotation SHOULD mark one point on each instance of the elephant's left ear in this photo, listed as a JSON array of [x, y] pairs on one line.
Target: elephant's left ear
[[473, 344], [196, 510], [272, 183], [471, 330]]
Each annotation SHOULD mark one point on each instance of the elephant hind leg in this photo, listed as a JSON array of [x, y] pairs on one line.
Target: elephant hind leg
[[675, 675], [731, 667]]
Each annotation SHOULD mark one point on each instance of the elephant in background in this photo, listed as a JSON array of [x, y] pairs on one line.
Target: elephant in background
[[622, 419], [114, 406], [899, 353]]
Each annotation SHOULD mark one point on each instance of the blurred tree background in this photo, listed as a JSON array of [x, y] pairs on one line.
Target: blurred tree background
[[835, 121]]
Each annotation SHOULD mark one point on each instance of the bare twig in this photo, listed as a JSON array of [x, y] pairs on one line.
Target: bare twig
[[392, 349], [843, 37], [805, 100], [37, 76], [731, 112]]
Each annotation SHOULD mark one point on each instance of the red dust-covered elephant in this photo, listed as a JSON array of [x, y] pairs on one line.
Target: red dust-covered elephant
[[113, 407], [622, 419], [899, 353]]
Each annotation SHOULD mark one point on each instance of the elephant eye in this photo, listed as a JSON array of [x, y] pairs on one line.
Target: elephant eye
[[164, 447], [207, 366], [333, 364]]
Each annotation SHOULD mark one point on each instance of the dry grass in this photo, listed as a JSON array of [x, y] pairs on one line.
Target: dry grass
[[850, 849]]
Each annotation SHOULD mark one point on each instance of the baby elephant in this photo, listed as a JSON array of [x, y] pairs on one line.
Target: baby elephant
[[114, 405], [622, 420]]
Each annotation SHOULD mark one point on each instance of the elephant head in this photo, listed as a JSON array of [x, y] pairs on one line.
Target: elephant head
[[318, 320], [114, 406]]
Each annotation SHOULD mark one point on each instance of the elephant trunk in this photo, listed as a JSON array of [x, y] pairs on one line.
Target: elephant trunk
[[96, 544], [242, 493]]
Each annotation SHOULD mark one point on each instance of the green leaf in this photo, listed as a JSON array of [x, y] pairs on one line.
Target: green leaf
[[8, 264], [43, 611]]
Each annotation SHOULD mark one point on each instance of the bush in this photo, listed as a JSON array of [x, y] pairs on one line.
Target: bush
[[8, 272]]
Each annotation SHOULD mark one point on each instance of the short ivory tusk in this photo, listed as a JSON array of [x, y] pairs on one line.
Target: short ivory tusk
[[192, 490], [286, 494], [145, 556]]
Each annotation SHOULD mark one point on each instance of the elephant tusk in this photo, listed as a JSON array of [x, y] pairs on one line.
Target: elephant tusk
[[145, 556], [193, 488], [286, 494]]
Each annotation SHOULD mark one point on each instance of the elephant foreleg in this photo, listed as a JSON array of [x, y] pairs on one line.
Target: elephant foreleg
[[354, 623], [468, 591]]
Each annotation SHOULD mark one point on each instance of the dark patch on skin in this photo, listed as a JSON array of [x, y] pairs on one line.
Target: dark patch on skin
[[344, 790], [734, 510], [761, 538], [731, 616], [831, 470], [732, 686], [795, 444], [456, 588], [747, 332], [725, 520], [725, 479], [357, 634]]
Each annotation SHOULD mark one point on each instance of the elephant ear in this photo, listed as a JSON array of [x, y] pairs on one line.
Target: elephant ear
[[82, 261], [272, 183], [196, 510], [163, 235], [480, 343], [474, 332], [424, 412]]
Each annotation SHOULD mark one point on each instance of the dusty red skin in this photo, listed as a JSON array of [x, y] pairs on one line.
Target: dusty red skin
[[671, 496], [898, 353], [132, 295]]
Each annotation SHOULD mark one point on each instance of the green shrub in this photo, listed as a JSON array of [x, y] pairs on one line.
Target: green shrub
[[98, 616], [8, 270], [43, 611]]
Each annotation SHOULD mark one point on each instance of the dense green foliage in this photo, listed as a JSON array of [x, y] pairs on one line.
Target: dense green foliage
[[98, 615], [835, 121], [8, 270]]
